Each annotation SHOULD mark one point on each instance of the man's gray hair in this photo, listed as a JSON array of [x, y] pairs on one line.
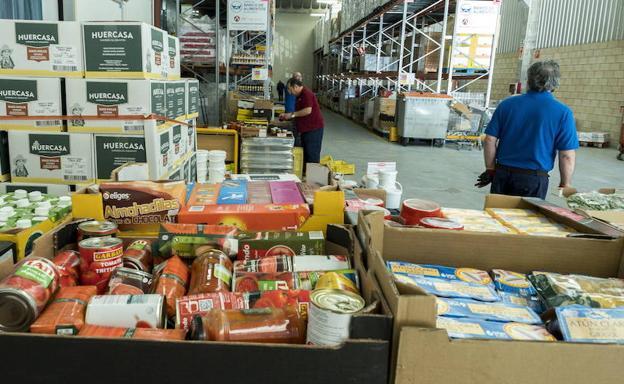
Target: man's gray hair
[[544, 76]]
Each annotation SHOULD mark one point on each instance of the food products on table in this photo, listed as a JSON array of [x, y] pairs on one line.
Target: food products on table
[[513, 282], [261, 325], [330, 315], [127, 311], [132, 333], [532, 302], [597, 201], [68, 265], [66, 313], [126, 281], [258, 281], [256, 245], [465, 328], [138, 255], [285, 263], [172, 277], [449, 288], [294, 298], [189, 240], [99, 256], [498, 311], [591, 325], [26, 291], [142, 202], [35, 207], [211, 272], [468, 275], [559, 290], [189, 306], [281, 263], [413, 210], [96, 228]]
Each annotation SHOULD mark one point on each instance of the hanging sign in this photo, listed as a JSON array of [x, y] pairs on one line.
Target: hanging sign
[[260, 74], [248, 15], [476, 17]]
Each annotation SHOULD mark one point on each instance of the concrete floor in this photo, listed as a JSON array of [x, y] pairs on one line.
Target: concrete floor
[[447, 175]]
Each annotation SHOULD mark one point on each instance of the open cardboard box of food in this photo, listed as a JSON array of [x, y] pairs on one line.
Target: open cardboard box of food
[[364, 358], [613, 217], [425, 354]]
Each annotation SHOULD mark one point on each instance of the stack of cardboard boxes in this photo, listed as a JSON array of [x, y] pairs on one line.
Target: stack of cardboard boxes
[[106, 77]]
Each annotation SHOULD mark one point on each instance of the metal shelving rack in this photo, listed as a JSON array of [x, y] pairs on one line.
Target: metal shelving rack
[[393, 24]]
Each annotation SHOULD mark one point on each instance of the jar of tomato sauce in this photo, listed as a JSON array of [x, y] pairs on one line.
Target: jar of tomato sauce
[[211, 272]]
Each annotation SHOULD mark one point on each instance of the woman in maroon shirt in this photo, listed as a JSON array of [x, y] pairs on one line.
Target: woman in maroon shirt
[[308, 119]]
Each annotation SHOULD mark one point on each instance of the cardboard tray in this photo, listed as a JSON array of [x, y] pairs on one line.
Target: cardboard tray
[[424, 352], [363, 358]]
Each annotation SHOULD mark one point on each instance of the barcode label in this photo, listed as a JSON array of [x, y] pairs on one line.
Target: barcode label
[[47, 123], [75, 178], [133, 127], [64, 68]]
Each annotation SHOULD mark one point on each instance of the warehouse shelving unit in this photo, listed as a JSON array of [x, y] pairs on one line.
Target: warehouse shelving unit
[[392, 30]]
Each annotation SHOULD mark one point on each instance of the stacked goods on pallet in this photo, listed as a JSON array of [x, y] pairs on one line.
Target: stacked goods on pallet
[[267, 155], [198, 41], [383, 115], [594, 139]]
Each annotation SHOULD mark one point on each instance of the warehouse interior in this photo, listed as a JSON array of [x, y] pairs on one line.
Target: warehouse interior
[[336, 191]]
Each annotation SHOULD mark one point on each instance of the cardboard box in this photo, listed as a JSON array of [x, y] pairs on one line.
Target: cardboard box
[[161, 159], [613, 217], [125, 50], [113, 151], [48, 189], [41, 48], [175, 98], [24, 239], [364, 357], [64, 158], [173, 58], [192, 98], [191, 133], [415, 312], [21, 96], [108, 98]]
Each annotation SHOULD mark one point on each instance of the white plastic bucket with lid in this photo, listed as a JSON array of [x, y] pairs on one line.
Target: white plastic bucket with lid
[[387, 179], [216, 175], [216, 156], [371, 181], [393, 196]]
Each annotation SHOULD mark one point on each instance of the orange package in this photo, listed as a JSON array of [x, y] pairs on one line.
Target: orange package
[[133, 333], [65, 315], [172, 280], [142, 202]]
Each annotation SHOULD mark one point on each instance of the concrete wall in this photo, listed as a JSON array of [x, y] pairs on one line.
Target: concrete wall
[[293, 46]]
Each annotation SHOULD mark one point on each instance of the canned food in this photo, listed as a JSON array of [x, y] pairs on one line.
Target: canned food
[[280, 263], [172, 276], [25, 293], [65, 314], [67, 263], [188, 307], [132, 333], [96, 228], [262, 325], [138, 256], [349, 280], [259, 282], [127, 311], [126, 281], [99, 256], [329, 316], [333, 280], [211, 272]]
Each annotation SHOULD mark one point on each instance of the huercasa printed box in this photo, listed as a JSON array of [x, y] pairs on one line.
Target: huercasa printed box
[[160, 154], [175, 98], [21, 97], [61, 158], [192, 98], [111, 99], [127, 50], [113, 151], [173, 58], [41, 48]]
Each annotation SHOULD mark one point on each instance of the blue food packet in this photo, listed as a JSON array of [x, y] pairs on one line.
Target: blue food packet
[[591, 325], [497, 311], [233, 192], [532, 302], [513, 282], [466, 328], [449, 288], [468, 275]]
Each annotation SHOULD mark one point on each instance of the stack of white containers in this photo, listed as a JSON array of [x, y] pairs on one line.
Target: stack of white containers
[[216, 169], [202, 165]]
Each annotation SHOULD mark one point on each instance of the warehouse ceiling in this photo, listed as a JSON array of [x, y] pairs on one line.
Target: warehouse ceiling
[[300, 4]]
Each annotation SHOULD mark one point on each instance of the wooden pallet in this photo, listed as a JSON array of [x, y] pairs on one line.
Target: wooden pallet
[[593, 144]]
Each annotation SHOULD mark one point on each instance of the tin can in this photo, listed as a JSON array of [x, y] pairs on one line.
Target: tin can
[[261, 325], [99, 256], [281, 263], [348, 279], [126, 281], [211, 272], [330, 314], [96, 228], [189, 306], [320, 263], [127, 311], [333, 280], [138, 256], [259, 281], [68, 265], [25, 293]]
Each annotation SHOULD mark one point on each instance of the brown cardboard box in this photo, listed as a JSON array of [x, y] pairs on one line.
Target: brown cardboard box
[[424, 352], [612, 217]]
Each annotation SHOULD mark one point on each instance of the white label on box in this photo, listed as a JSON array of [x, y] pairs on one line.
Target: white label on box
[[45, 108], [75, 168], [63, 58]]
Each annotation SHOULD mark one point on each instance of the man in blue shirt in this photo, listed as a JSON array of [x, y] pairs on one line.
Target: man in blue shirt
[[525, 135], [291, 100]]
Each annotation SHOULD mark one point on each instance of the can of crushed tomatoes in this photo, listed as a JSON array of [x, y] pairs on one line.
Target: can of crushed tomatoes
[[96, 228], [99, 256], [126, 281], [127, 311]]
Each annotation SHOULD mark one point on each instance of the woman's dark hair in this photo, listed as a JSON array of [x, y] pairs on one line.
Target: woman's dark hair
[[295, 82], [544, 76]]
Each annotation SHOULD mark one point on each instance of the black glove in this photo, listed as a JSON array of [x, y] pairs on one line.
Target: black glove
[[485, 178]]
